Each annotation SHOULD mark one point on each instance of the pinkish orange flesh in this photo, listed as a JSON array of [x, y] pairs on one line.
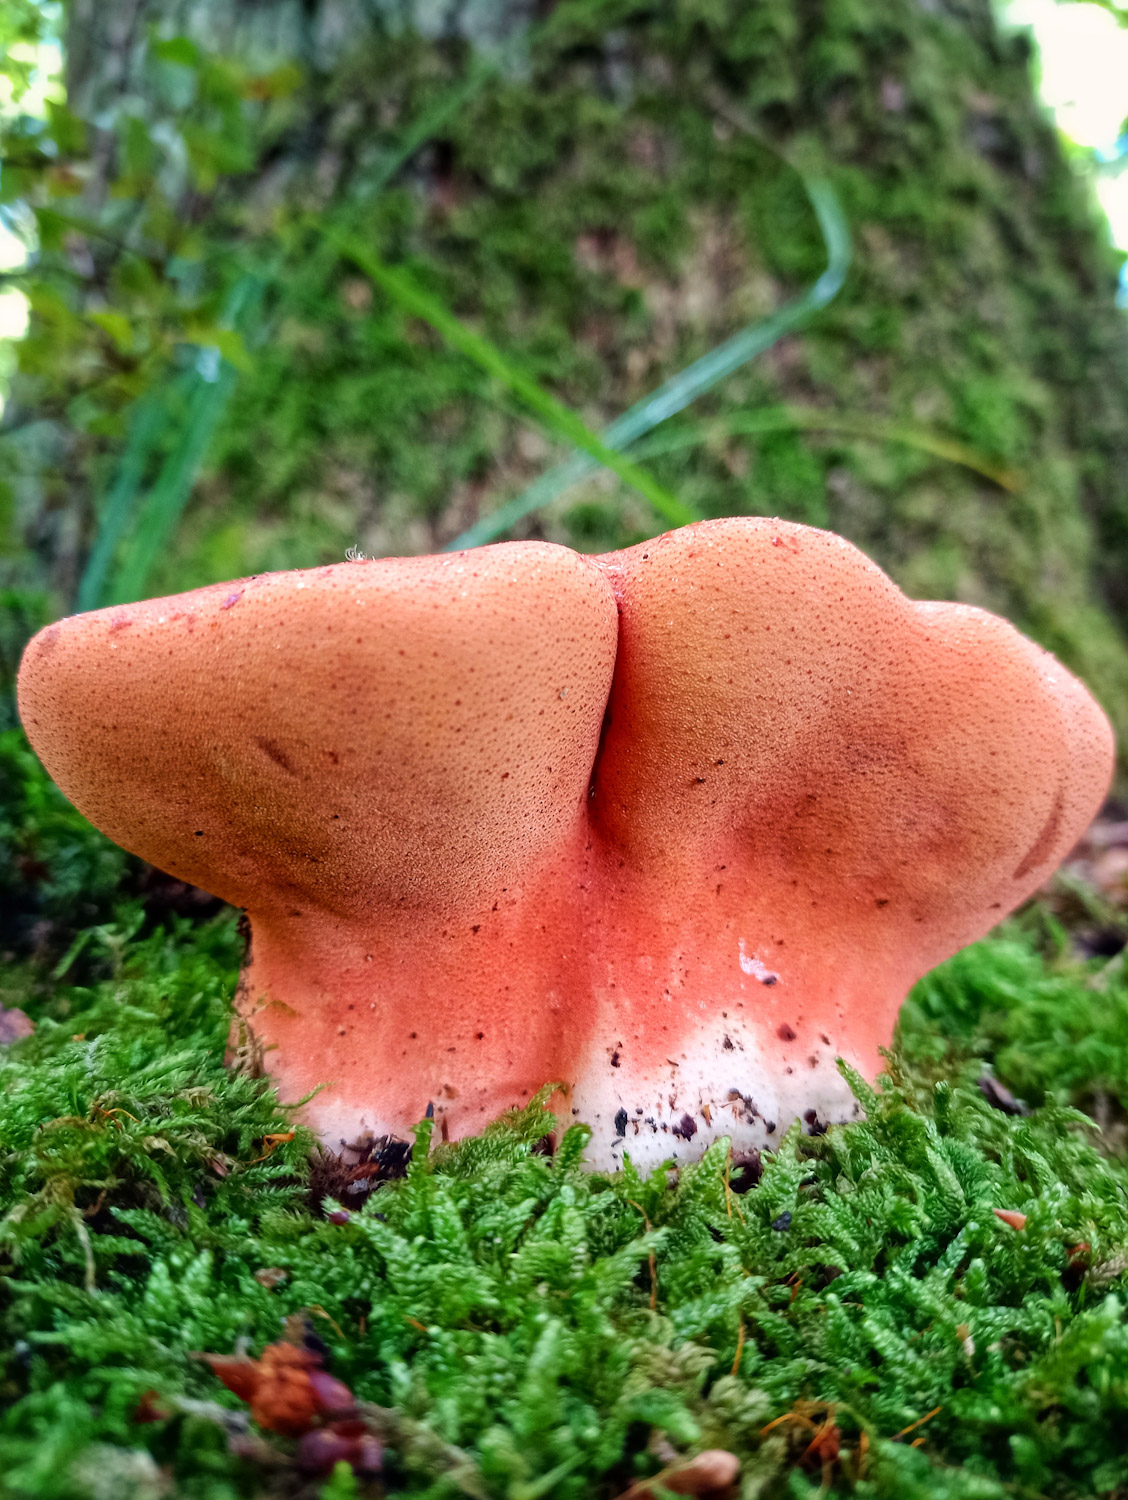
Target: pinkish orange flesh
[[808, 791], [387, 765], [816, 790]]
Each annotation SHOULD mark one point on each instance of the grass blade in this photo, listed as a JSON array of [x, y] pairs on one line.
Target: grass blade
[[165, 502], [148, 416], [684, 388], [556, 418], [859, 425]]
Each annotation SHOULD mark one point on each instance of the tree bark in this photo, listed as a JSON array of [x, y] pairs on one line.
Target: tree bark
[[593, 213]]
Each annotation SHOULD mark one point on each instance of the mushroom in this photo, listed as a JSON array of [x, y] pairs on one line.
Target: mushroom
[[678, 826], [813, 790], [386, 765]]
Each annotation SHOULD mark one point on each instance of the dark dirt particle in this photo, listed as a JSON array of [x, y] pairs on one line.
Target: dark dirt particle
[[686, 1127], [621, 1122], [999, 1097], [335, 1175], [745, 1171], [782, 1223], [786, 1033]]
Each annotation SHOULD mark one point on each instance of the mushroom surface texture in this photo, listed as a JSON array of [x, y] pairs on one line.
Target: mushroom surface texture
[[676, 827]]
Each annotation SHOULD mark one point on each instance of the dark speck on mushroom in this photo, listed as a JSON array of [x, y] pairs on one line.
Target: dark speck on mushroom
[[621, 1122]]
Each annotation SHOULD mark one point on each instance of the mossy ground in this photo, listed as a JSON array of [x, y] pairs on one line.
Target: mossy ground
[[526, 1328]]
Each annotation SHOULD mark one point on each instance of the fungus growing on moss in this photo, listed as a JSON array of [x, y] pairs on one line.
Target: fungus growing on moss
[[678, 826]]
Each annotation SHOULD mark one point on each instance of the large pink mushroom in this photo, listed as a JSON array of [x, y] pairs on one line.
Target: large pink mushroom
[[677, 827]]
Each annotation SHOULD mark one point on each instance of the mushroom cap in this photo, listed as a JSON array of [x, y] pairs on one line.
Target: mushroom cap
[[816, 789], [395, 733], [776, 694], [466, 879]]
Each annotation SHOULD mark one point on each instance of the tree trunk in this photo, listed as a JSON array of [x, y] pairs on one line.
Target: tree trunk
[[612, 204]]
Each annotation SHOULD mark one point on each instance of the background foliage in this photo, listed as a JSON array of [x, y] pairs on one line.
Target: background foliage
[[210, 387]]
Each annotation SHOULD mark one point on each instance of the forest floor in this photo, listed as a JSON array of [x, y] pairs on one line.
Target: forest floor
[[193, 1303]]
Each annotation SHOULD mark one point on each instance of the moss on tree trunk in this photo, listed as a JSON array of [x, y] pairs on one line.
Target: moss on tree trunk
[[616, 202]]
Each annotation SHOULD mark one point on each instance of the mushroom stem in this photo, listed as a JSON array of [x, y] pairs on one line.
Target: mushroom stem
[[468, 1011]]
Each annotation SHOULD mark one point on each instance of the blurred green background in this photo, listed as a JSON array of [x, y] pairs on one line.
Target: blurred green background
[[300, 271]]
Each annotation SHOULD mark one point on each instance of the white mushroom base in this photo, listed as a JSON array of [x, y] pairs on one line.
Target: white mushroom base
[[719, 1086]]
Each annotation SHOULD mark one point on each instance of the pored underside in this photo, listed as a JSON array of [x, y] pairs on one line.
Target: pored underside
[[676, 827]]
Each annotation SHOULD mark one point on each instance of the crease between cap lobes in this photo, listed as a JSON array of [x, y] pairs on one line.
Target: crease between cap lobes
[[677, 826]]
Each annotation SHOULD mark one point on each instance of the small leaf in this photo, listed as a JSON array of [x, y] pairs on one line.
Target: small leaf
[[67, 130], [279, 83], [226, 340], [118, 327], [1010, 1216], [180, 50]]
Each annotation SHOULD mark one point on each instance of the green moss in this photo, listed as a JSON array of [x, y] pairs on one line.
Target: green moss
[[526, 1328], [606, 237]]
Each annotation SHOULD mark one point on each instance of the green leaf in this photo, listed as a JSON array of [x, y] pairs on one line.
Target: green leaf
[[279, 83], [67, 129], [117, 326], [228, 341], [180, 50]]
